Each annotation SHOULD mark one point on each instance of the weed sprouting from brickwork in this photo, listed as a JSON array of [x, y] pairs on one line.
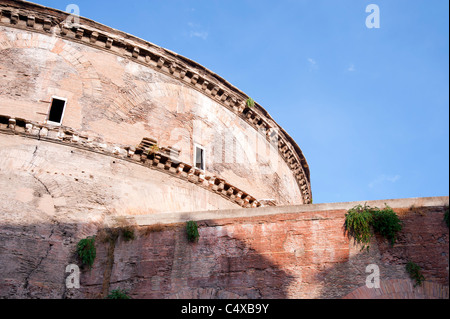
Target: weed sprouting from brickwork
[[361, 220], [386, 223], [118, 294], [128, 233], [153, 150], [357, 225], [86, 251], [192, 231], [250, 103], [415, 272], [127, 228]]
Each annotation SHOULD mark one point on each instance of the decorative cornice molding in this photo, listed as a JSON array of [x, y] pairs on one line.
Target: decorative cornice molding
[[163, 160], [32, 17]]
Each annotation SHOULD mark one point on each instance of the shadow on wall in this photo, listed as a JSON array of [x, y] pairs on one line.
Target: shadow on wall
[[162, 264], [423, 240], [159, 263], [33, 258], [302, 256]]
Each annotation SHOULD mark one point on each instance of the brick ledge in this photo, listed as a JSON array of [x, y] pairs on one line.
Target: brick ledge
[[323, 211]]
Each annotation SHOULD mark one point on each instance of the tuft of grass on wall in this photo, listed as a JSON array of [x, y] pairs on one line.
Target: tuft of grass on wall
[[415, 272], [250, 103], [127, 228], [118, 294], [128, 233]]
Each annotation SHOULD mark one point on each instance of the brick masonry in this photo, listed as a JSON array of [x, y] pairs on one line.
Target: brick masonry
[[274, 253], [294, 255]]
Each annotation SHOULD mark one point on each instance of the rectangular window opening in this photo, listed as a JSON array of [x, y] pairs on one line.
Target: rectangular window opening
[[199, 157], [57, 109]]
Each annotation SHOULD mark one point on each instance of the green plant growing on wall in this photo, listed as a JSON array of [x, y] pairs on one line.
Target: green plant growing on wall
[[415, 272], [192, 231], [118, 294], [361, 220], [250, 103], [153, 149], [86, 251], [357, 225], [386, 223], [128, 233]]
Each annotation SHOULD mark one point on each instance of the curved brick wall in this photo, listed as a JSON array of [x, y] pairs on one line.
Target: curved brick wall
[[121, 89], [75, 182]]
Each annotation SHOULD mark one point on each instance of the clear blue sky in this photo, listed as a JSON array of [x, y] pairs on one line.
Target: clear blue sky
[[368, 107]]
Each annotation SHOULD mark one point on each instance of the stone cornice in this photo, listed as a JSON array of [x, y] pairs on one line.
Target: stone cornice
[[37, 18], [162, 160]]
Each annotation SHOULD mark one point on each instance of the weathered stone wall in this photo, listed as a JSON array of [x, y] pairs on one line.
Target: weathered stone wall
[[278, 252], [47, 178], [122, 97]]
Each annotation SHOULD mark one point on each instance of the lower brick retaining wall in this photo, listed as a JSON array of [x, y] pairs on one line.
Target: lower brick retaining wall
[[266, 253], [280, 253]]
